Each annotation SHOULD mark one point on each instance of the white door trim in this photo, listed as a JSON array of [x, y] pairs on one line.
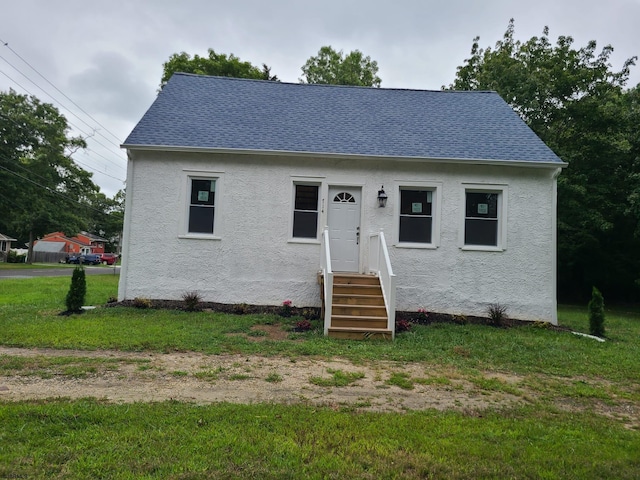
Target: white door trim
[[344, 219]]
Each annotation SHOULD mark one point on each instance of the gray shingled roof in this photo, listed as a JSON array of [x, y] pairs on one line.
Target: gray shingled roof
[[51, 247], [196, 111]]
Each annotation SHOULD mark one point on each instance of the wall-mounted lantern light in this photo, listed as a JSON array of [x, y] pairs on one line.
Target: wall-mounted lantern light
[[382, 198]]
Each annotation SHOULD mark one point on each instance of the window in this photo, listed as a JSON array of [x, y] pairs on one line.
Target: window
[[202, 205], [305, 211], [482, 217], [416, 216]]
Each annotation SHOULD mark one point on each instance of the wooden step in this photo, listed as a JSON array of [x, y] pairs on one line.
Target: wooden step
[[358, 321], [355, 299], [351, 288], [354, 279], [359, 310], [360, 333]]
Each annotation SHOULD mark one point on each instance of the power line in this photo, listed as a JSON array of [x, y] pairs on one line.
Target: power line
[[95, 170], [73, 159], [63, 106], [50, 190], [70, 123], [6, 44], [98, 171]]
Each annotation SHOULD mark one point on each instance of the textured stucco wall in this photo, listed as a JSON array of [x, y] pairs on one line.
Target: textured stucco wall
[[254, 260]]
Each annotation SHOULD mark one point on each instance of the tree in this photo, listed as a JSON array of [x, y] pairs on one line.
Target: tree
[[596, 313], [575, 103], [333, 68], [77, 290], [108, 218], [217, 64], [41, 188]]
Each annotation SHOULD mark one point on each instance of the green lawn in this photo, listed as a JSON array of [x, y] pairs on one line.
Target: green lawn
[[561, 431], [31, 266]]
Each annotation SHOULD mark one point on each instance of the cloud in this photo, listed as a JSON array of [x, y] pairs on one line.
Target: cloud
[[114, 86]]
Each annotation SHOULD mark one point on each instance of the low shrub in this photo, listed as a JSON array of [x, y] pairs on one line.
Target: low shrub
[[13, 257], [402, 326], [311, 313], [303, 326], [422, 317], [286, 309], [497, 314], [240, 308], [141, 302], [192, 302]]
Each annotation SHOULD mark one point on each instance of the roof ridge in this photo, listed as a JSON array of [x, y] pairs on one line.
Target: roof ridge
[[327, 85]]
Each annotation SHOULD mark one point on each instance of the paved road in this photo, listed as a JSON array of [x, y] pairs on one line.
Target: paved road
[[56, 272]]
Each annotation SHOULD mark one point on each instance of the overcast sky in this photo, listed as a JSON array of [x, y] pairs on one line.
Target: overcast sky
[[107, 57]]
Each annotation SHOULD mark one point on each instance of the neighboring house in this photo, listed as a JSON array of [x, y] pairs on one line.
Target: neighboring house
[[5, 246], [63, 244], [80, 244], [96, 242], [231, 183]]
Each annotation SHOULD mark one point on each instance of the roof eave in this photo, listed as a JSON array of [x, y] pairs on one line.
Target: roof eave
[[347, 156]]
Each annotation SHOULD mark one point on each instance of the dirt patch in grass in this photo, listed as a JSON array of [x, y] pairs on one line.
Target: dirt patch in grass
[[203, 379], [126, 377], [267, 332]]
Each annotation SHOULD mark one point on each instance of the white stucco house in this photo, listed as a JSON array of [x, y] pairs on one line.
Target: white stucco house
[[259, 192]]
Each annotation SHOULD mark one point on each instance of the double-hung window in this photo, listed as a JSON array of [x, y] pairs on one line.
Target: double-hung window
[[483, 220], [202, 205], [305, 211], [416, 215]]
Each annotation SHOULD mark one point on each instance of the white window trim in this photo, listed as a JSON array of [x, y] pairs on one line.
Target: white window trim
[[436, 209], [503, 194], [315, 181], [186, 202]]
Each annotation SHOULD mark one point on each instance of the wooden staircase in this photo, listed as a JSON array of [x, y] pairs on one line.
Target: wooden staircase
[[358, 311]]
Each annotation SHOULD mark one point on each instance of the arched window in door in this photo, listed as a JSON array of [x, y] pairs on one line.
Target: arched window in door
[[344, 197]]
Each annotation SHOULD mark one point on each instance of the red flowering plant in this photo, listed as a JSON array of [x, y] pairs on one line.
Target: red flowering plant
[[286, 309], [303, 326], [402, 326]]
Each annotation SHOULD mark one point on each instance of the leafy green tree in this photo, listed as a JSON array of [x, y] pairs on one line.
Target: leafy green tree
[[108, 218], [41, 188], [217, 64], [77, 290], [575, 103], [333, 68]]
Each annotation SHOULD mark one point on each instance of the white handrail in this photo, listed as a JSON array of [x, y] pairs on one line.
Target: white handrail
[[380, 263], [327, 274]]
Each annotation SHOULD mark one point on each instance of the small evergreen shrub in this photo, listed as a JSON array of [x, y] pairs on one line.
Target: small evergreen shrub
[[77, 290], [191, 302], [596, 313]]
